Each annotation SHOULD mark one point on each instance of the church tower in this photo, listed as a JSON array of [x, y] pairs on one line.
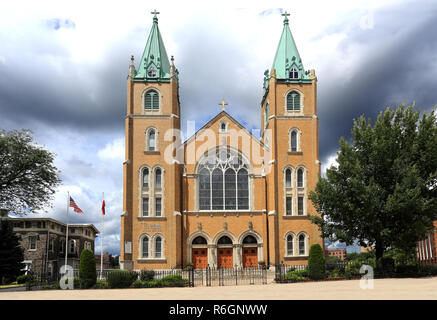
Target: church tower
[[150, 223], [289, 125]]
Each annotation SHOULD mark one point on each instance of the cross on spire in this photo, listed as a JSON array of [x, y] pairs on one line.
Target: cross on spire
[[155, 18], [285, 14], [223, 104]]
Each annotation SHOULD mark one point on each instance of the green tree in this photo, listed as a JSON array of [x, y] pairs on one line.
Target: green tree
[[11, 253], [384, 190], [316, 262], [28, 178], [87, 269]]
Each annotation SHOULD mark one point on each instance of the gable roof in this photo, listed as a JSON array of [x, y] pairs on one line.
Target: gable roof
[[213, 120]]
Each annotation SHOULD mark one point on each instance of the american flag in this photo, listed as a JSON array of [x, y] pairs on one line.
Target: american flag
[[74, 205]]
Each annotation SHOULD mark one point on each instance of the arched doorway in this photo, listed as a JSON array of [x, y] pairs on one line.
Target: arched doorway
[[199, 255], [250, 252], [225, 253]]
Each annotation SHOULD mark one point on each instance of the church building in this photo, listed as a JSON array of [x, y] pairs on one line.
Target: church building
[[224, 197]]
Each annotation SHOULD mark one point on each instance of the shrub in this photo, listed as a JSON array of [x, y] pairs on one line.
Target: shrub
[[427, 270], [335, 273], [407, 271], [87, 269], [153, 284], [147, 275], [121, 278], [174, 280], [7, 280], [137, 284], [352, 270], [101, 284], [22, 279], [297, 275], [385, 267], [316, 262]]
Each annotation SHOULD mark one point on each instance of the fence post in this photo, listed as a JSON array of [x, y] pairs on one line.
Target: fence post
[[236, 275]]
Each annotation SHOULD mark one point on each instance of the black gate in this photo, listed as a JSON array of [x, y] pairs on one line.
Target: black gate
[[227, 276]]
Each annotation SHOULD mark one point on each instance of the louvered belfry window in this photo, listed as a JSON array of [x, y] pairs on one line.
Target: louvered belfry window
[[151, 101], [293, 101]]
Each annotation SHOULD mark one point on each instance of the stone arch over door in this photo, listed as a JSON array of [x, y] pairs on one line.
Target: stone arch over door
[[226, 252], [191, 237], [259, 239]]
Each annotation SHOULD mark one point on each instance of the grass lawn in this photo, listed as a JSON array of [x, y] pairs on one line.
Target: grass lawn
[[12, 285]]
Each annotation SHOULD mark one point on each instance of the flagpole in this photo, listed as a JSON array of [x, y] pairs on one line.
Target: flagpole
[[66, 240], [101, 247]]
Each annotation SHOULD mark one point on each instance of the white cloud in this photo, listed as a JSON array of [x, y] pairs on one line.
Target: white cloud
[[330, 161], [113, 150]]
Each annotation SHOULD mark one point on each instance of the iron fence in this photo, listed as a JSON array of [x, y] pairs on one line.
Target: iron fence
[[281, 271], [195, 277]]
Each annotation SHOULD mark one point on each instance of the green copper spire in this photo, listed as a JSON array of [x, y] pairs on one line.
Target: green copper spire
[[154, 65], [287, 63]]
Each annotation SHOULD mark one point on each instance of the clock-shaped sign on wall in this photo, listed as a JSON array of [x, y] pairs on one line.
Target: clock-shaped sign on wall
[[152, 73]]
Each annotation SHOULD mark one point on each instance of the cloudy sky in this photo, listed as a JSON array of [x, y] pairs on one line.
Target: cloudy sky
[[63, 68]]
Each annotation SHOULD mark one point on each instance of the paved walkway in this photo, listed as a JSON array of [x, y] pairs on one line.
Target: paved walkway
[[423, 288]]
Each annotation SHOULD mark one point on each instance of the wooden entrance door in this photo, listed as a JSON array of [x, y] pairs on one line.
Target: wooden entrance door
[[224, 258], [250, 257], [200, 258]]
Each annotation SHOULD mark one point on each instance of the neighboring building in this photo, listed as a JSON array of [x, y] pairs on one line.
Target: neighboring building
[[426, 250], [106, 260], [223, 197], [43, 240], [339, 253]]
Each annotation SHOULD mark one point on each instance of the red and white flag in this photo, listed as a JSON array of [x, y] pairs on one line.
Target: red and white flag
[[75, 206], [103, 207]]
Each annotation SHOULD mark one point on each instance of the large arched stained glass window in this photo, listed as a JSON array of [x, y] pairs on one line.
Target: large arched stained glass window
[[204, 189], [223, 182]]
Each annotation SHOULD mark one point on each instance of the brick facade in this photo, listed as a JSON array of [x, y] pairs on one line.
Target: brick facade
[[43, 241], [170, 238]]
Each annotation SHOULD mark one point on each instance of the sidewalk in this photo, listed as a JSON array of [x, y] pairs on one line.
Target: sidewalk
[[423, 288]]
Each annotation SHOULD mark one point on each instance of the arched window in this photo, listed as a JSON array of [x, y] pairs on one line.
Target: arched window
[[223, 182], [250, 240], [204, 189], [293, 141], [145, 178], [151, 100], [223, 126], [302, 244], [230, 189], [224, 240], [199, 240], [293, 73], [158, 247], [300, 178], [288, 178], [290, 249], [145, 246], [293, 101], [158, 179], [151, 140]]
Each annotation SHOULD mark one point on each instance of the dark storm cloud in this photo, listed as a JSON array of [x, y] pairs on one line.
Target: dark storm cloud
[[398, 64], [48, 87]]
